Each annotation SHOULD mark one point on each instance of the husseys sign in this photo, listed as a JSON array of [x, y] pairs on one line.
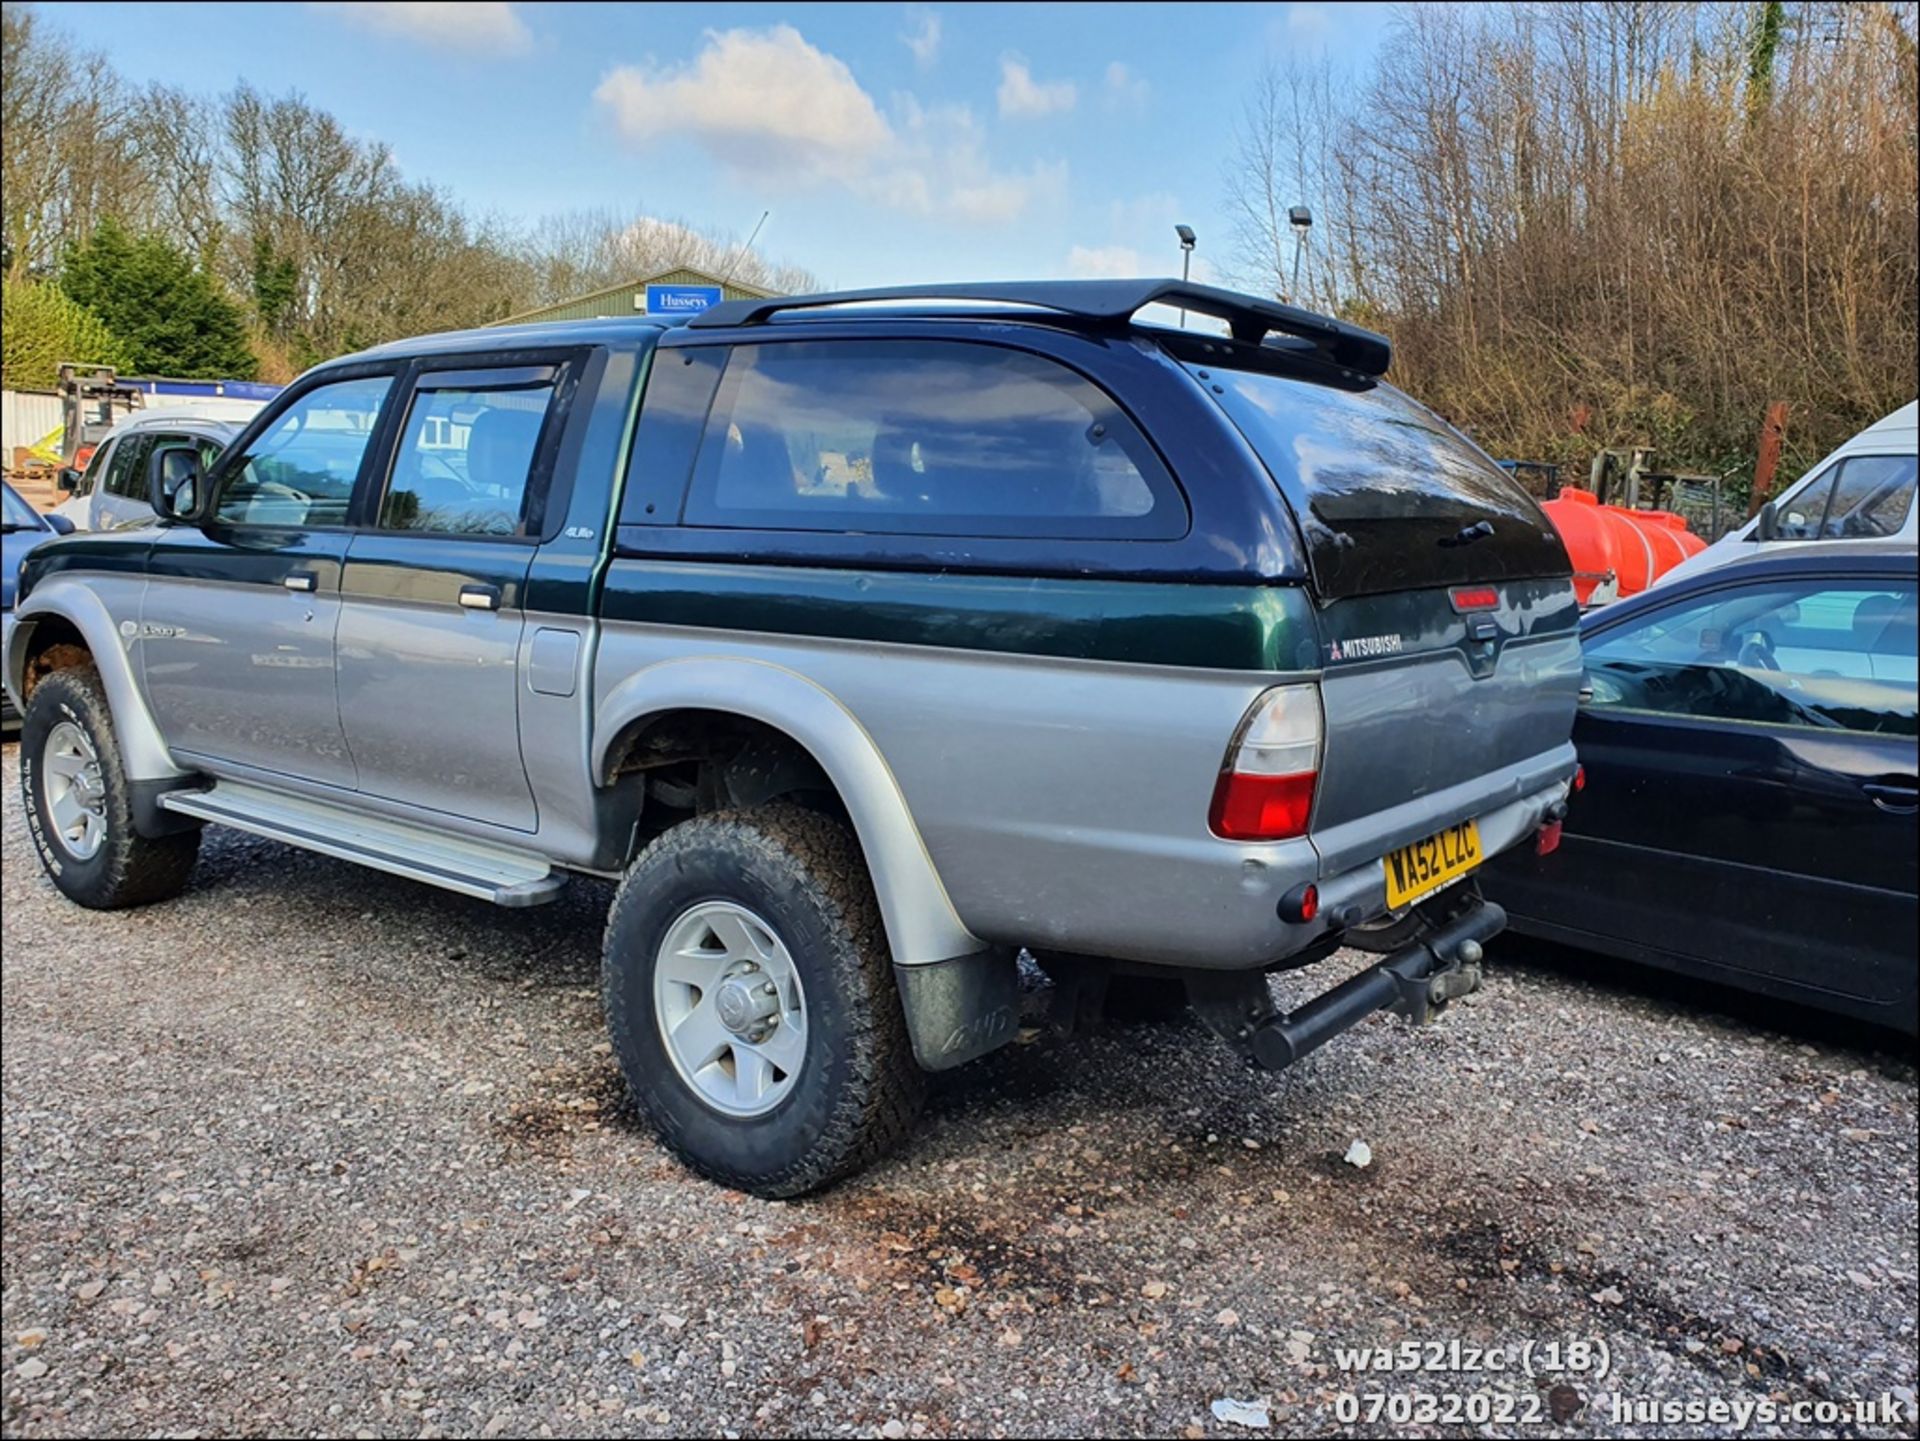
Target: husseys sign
[[680, 299]]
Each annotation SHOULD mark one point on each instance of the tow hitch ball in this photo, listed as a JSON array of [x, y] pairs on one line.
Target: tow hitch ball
[[1416, 981], [1418, 999]]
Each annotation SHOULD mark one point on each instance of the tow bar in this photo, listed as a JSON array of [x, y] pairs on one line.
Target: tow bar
[[1416, 982]]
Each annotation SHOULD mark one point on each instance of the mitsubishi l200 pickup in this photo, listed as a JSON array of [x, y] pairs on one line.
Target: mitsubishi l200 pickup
[[865, 639]]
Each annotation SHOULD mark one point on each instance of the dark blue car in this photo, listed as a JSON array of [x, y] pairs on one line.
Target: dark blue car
[[21, 529], [1749, 809]]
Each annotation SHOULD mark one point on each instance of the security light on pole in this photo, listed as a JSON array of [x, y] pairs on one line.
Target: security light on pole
[[1301, 219], [1187, 242]]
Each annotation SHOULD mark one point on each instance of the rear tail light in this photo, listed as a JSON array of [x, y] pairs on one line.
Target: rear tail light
[[1579, 779], [1265, 792]]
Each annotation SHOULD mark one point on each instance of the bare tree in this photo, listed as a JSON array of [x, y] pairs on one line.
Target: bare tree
[[69, 154], [1607, 223], [583, 250], [178, 144], [299, 189], [1284, 155], [317, 230]]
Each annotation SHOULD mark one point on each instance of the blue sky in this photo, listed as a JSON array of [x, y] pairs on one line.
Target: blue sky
[[891, 142]]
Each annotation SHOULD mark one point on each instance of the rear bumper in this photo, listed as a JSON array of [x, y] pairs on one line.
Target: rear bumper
[[1214, 905], [1353, 888]]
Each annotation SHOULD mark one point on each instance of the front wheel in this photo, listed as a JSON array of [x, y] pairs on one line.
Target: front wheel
[[79, 804], [750, 996]]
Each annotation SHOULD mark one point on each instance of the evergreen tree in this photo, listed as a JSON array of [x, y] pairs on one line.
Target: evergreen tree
[[172, 316]]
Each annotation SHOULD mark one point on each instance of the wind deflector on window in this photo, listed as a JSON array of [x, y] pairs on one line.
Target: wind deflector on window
[[1101, 303]]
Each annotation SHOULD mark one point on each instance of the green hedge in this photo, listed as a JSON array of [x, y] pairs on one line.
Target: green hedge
[[41, 326]]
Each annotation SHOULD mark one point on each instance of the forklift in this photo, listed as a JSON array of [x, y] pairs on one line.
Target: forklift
[[1629, 479], [92, 401]]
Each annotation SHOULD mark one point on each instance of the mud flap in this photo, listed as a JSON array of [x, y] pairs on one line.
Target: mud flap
[[960, 1009]]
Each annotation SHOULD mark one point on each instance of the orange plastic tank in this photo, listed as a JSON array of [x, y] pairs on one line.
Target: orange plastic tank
[[1663, 542], [1593, 541], [1617, 552], [1690, 543], [1667, 536]]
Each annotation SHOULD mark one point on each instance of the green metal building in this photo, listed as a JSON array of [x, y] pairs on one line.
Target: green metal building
[[631, 297]]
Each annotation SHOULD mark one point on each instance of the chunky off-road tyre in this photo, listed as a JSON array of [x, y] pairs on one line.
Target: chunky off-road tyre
[[80, 807], [750, 996]]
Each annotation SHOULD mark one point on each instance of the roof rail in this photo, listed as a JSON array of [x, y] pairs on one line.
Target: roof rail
[[1103, 303]]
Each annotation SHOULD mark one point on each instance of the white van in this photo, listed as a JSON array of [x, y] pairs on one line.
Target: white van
[[1863, 491], [112, 490]]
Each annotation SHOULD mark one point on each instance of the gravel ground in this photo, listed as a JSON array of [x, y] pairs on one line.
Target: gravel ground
[[316, 1151]]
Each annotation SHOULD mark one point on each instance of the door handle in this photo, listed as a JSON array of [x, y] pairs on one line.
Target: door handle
[[480, 597], [1899, 796], [304, 580]]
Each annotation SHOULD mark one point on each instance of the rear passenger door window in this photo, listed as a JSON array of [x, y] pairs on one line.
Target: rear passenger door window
[[933, 438], [467, 452], [301, 472], [126, 471]]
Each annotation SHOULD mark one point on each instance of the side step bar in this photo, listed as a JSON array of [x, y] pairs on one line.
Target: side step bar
[[473, 868]]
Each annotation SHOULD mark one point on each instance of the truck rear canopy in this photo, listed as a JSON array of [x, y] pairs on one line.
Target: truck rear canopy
[[1388, 496]]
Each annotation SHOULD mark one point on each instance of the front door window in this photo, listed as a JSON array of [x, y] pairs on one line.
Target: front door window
[[302, 471]]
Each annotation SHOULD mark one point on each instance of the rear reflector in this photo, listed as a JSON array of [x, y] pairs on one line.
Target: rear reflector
[[1300, 905], [1547, 840], [1265, 791], [1475, 597], [1579, 779]]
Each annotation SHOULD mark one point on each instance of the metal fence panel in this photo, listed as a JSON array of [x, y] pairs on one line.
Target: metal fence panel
[[29, 420]]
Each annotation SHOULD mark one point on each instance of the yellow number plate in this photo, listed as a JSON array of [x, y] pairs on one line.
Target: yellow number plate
[[1415, 872]]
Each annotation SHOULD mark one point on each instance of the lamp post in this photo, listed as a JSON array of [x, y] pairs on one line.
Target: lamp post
[[1301, 219], [1187, 241]]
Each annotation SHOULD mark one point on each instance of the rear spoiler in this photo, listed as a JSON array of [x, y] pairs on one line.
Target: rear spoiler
[[1103, 304]]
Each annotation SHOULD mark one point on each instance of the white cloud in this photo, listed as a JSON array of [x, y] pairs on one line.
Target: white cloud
[[942, 168], [1309, 27], [1138, 239], [780, 113], [485, 27], [924, 39], [1124, 87], [1021, 94], [765, 102], [1104, 262]]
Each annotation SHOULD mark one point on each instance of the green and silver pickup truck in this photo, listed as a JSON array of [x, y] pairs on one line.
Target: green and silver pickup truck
[[867, 640]]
